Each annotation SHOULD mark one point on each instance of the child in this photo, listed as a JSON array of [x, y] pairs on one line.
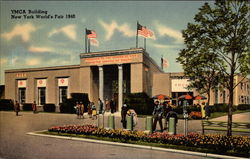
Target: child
[[94, 111]]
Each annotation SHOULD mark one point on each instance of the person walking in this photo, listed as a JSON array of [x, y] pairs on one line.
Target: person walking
[[207, 111], [90, 109], [107, 105], [34, 107], [203, 115], [81, 110], [125, 108], [157, 115], [101, 110], [77, 108], [17, 108], [112, 106], [93, 108]]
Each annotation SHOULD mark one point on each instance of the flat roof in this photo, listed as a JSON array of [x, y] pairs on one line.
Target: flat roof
[[42, 68]]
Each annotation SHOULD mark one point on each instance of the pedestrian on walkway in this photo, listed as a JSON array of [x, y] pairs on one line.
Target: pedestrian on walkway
[[207, 111], [157, 115], [125, 108], [17, 108], [34, 107], [81, 110], [107, 105], [101, 110], [77, 108], [93, 108], [112, 106], [203, 114], [90, 109]]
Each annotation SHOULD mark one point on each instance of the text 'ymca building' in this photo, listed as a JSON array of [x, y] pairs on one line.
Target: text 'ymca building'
[[106, 75]]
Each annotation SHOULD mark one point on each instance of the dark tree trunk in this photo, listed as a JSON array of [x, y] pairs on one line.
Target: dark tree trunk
[[230, 104]]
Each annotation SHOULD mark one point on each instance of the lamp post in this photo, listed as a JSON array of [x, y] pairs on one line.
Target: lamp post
[[185, 115]]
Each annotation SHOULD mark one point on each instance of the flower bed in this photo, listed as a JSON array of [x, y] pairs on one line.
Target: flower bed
[[235, 145]]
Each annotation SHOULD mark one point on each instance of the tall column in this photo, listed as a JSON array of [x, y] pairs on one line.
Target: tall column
[[101, 82], [120, 87]]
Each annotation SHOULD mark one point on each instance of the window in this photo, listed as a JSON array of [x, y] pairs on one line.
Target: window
[[41, 95], [21, 95], [21, 84], [63, 89], [63, 93]]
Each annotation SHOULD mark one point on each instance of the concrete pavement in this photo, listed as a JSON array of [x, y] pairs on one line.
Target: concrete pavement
[[15, 144]]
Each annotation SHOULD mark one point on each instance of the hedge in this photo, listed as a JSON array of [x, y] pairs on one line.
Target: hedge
[[68, 105], [6, 104], [27, 106], [243, 106], [141, 103], [49, 108]]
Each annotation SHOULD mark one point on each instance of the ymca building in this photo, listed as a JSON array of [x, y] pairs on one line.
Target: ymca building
[[106, 75]]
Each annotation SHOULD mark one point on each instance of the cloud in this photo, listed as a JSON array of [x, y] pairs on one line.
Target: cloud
[[164, 30], [35, 49], [113, 26], [33, 61], [166, 46], [3, 61], [22, 30], [69, 31]]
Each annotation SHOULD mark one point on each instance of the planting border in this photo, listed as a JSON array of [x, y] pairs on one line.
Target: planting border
[[202, 154]]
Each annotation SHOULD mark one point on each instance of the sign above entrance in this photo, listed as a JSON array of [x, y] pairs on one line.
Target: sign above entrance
[[180, 85], [118, 59]]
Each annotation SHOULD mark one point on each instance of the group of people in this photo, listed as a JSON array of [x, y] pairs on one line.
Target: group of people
[[126, 110], [79, 109], [17, 107], [163, 110]]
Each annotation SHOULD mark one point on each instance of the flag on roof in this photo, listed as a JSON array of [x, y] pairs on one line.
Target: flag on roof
[[164, 63], [94, 42], [143, 31], [90, 34]]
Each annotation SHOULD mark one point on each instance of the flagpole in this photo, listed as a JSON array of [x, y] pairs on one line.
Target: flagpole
[[88, 45], [145, 44], [162, 62], [86, 40], [137, 35]]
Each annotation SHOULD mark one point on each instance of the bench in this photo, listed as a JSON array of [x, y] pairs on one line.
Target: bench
[[222, 126]]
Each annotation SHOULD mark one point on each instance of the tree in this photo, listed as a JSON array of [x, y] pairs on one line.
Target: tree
[[221, 32], [202, 71]]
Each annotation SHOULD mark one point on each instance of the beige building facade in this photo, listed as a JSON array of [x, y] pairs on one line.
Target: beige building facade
[[106, 75]]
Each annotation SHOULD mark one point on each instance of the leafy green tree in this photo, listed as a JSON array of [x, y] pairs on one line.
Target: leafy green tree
[[219, 40]]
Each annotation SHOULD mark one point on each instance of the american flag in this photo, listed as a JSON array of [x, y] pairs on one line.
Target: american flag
[[143, 31], [90, 34], [94, 42], [164, 63]]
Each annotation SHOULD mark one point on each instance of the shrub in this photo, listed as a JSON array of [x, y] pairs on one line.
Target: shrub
[[68, 106], [49, 108], [243, 106], [27, 106], [141, 103], [6, 104]]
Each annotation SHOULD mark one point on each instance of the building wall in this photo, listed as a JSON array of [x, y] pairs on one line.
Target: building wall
[[137, 78], [161, 84], [31, 75]]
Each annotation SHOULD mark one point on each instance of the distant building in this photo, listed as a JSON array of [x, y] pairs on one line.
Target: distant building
[[106, 75]]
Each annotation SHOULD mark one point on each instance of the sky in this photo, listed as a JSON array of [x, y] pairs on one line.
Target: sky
[[58, 40]]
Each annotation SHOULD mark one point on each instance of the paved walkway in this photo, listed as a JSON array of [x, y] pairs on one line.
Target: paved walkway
[[242, 117], [16, 144]]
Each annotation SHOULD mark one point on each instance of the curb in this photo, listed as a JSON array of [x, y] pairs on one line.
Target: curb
[[35, 133]]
